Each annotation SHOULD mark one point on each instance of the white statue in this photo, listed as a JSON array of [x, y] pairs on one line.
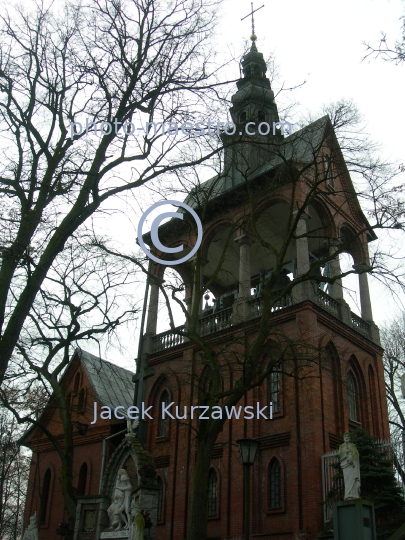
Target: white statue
[[31, 532], [119, 511], [350, 464]]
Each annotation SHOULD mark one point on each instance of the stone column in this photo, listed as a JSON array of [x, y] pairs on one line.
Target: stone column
[[336, 290], [203, 262], [241, 307], [244, 242], [303, 291], [151, 323], [365, 302]]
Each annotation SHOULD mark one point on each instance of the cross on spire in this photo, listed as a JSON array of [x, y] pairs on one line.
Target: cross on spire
[[253, 36]]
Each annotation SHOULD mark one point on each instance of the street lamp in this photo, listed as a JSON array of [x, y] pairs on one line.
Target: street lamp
[[247, 449]]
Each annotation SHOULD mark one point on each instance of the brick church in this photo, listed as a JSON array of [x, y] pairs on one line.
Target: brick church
[[328, 378]]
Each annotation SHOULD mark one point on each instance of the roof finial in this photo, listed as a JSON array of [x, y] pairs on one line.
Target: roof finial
[[253, 37]]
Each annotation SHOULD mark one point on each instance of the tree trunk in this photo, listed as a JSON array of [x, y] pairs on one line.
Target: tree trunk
[[197, 524]]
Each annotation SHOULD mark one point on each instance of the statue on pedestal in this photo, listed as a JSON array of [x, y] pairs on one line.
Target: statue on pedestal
[[119, 511], [350, 464], [31, 532]]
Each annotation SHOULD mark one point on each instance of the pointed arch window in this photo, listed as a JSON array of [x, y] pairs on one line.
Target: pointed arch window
[[328, 170], [46, 485], [352, 397], [261, 117], [163, 422], [274, 484], [160, 500], [81, 401], [68, 401], [242, 117], [81, 486], [274, 390], [212, 493], [77, 383]]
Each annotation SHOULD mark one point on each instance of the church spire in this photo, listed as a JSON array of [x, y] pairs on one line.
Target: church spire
[[254, 100]]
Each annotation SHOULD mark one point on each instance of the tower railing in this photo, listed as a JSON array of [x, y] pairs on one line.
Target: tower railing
[[222, 319], [167, 340], [328, 303], [215, 322], [257, 305], [360, 324]]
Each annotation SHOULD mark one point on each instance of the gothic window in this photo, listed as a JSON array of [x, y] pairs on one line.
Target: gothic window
[[81, 487], [373, 398], [77, 383], [162, 426], [328, 170], [45, 496], [68, 400], [81, 401], [242, 117], [160, 500], [351, 397], [212, 493], [261, 116], [274, 386], [274, 484]]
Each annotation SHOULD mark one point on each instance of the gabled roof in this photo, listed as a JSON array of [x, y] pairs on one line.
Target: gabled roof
[[112, 384]]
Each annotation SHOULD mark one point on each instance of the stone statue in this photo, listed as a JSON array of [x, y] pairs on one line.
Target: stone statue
[[115, 511], [350, 464], [31, 532], [119, 511], [138, 523]]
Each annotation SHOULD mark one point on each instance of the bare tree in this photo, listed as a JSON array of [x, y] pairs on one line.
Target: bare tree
[[14, 470], [75, 84], [87, 296], [391, 53], [393, 340]]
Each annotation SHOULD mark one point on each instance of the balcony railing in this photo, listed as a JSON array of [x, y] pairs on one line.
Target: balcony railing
[[167, 340], [328, 303], [257, 304], [216, 322], [360, 325], [221, 320]]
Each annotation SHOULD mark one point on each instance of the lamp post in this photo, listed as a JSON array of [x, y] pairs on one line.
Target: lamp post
[[247, 449]]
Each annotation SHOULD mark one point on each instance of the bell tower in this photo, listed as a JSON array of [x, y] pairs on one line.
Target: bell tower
[[263, 302]]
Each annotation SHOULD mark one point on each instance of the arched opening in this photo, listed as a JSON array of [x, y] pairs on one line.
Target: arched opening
[[242, 117], [77, 383], [350, 283], [212, 493], [81, 486], [176, 294], [81, 401], [373, 400], [163, 422], [352, 397], [332, 364], [261, 117], [274, 484], [46, 485], [274, 389]]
